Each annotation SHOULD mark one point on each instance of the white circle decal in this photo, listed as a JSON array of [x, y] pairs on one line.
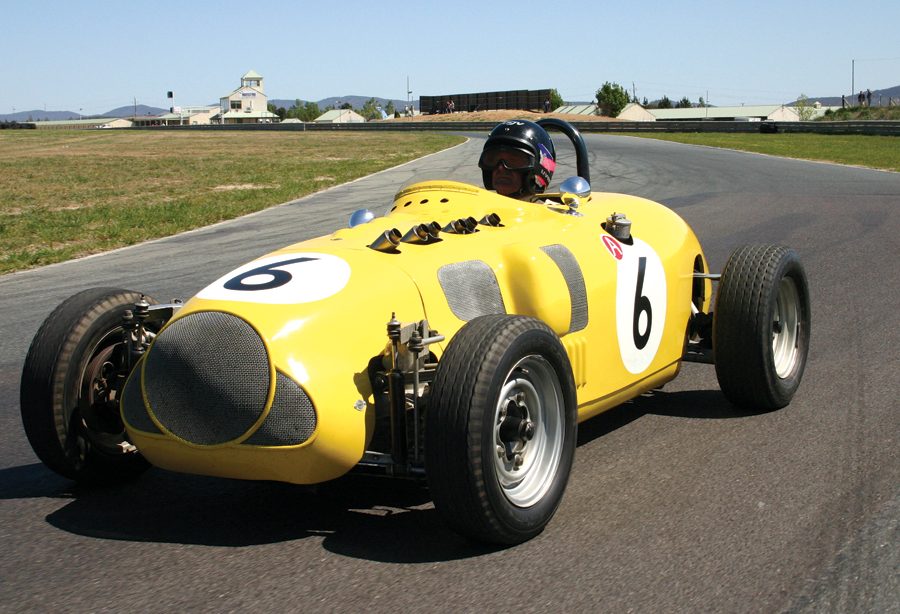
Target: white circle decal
[[640, 305], [282, 280]]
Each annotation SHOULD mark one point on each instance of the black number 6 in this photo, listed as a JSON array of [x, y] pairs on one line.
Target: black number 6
[[641, 304], [279, 277]]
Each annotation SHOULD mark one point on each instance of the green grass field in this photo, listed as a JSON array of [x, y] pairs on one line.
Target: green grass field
[[72, 193], [882, 152]]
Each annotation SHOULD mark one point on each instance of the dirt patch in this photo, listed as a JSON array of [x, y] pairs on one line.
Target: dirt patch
[[242, 186], [499, 116]]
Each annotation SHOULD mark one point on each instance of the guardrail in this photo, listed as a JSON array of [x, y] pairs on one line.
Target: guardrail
[[882, 128]]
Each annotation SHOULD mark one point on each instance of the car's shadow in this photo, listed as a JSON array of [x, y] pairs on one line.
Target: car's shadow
[[358, 516]]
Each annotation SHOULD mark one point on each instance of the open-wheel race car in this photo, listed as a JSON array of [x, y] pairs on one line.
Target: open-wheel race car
[[458, 339]]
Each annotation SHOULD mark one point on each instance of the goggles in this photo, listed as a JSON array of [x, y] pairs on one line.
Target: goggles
[[511, 159]]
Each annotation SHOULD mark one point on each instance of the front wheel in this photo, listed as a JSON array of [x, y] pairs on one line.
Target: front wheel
[[500, 429], [761, 326], [71, 381]]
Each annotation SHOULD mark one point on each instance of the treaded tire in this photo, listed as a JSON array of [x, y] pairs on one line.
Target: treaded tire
[[53, 397], [478, 490], [761, 326]]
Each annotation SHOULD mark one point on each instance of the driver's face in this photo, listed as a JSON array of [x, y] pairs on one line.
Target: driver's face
[[506, 182]]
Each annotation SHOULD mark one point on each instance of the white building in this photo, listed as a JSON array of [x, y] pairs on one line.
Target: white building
[[340, 116], [248, 104]]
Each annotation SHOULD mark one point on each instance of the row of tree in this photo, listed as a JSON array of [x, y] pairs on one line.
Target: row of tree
[[309, 111], [612, 98]]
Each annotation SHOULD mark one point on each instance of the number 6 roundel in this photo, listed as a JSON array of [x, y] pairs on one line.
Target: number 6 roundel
[[640, 304], [284, 279]]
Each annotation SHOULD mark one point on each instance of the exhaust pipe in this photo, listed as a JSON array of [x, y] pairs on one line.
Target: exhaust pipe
[[462, 226], [387, 241], [423, 233], [491, 219]]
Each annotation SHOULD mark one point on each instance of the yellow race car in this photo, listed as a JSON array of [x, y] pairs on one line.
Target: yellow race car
[[458, 339]]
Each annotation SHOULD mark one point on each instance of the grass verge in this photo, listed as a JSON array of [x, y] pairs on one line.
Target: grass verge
[[72, 193], [881, 152]]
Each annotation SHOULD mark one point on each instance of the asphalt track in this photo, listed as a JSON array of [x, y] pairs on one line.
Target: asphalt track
[[676, 503]]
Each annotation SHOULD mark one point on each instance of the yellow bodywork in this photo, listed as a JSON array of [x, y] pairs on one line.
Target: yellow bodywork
[[324, 342]]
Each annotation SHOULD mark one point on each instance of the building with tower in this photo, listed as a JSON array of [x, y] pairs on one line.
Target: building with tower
[[248, 104]]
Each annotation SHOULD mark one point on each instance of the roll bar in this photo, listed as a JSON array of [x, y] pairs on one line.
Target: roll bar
[[581, 155]]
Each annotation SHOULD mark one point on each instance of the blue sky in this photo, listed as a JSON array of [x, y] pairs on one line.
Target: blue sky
[[93, 56]]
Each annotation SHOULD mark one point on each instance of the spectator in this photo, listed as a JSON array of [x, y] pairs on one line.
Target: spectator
[[868, 98]]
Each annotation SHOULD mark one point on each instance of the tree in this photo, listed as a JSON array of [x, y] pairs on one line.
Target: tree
[[664, 103], [309, 112], [804, 109], [702, 103], [370, 110], [645, 103], [390, 109], [556, 101], [611, 99], [684, 103]]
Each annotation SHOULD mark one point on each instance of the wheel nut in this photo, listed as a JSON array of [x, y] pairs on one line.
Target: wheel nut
[[518, 460], [528, 429], [501, 451]]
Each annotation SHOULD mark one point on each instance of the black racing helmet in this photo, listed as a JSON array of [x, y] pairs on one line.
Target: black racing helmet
[[526, 137]]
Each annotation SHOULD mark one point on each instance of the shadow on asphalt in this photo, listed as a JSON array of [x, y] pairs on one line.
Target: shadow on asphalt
[[357, 516]]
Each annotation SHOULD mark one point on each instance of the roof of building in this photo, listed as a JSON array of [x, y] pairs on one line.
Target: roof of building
[[94, 121], [252, 74], [335, 115], [578, 109], [699, 113]]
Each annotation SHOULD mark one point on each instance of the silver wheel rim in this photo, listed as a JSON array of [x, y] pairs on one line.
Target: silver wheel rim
[[786, 328], [528, 431]]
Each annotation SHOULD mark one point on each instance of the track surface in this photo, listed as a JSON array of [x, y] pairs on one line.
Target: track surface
[[675, 503]]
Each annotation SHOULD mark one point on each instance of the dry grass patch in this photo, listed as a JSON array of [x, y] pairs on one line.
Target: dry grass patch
[[72, 193]]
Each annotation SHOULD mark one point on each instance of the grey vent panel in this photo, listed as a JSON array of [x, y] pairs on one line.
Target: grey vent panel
[[292, 419], [207, 377], [571, 271], [133, 409], [471, 289]]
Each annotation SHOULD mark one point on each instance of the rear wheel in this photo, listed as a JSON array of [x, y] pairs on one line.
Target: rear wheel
[[500, 429], [71, 382], [761, 326]]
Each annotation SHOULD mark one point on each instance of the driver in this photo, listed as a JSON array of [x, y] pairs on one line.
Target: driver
[[518, 159]]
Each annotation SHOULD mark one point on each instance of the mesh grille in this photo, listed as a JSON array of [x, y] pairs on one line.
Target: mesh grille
[[568, 266], [291, 420], [471, 289], [133, 409], [207, 377]]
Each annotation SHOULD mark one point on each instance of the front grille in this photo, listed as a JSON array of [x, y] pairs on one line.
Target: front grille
[[132, 405], [292, 419], [207, 378]]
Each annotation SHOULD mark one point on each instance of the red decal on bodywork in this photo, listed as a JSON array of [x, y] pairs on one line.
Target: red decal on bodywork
[[613, 246]]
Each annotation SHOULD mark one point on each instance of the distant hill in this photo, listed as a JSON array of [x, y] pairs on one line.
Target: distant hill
[[129, 111], [38, 115]]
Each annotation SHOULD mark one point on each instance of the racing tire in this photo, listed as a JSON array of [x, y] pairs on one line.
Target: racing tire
[[501, 429], [761, 327], [70, 386]]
